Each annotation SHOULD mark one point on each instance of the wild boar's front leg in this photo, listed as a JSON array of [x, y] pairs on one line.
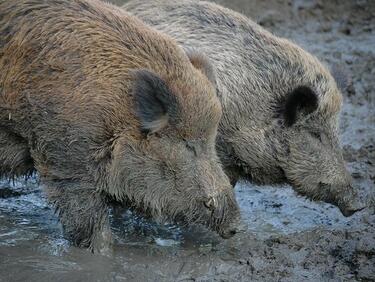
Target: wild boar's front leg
[[83, 212], [15, 159]]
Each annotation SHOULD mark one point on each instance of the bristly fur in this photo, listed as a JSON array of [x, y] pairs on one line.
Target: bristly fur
[[72, 109], [258, 73]]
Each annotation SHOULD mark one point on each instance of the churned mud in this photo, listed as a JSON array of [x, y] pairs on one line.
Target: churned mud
[[284, 238]]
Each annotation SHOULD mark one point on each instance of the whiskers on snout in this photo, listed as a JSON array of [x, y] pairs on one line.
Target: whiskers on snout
[[220, 214]]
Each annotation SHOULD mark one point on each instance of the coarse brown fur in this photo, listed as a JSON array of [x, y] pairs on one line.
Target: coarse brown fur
[[281, 105], [105, 108]]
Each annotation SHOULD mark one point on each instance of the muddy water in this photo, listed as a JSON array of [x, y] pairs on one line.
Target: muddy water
[[284, 237], [32, 246]]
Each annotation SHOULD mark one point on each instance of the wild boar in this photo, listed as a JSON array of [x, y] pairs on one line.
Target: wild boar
[[106, 109], [281, 105]]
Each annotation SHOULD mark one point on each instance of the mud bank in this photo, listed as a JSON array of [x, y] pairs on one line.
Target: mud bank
[[285, 237]]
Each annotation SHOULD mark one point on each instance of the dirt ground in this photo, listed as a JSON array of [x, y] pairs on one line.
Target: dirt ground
[[285, 238]]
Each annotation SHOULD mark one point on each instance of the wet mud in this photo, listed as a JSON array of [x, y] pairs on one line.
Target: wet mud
[[284, 237]]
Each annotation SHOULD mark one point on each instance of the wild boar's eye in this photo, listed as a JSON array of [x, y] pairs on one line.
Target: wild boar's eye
[[191, 147]]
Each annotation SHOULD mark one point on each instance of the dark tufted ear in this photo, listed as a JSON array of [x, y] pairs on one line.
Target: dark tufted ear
[[154, 102], [300, 101], [201, 62]]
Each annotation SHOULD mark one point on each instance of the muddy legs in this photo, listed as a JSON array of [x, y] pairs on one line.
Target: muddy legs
[[15, 159], [83, 213]]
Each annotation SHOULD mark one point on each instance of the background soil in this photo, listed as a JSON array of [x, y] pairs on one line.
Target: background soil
[[286, 238]]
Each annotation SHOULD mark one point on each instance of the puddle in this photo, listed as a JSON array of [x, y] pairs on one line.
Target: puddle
[[265, 211]]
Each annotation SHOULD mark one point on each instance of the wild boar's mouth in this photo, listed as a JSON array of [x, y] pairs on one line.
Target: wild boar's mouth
[[201, 218], [347, 203]]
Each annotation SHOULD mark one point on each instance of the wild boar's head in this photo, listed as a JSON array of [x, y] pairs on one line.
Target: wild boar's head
[[294, 136], [313, 160], [178, 175]]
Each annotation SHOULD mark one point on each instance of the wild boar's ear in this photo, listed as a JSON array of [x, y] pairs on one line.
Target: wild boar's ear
[[300, 101], [202, 63], [154, 102]]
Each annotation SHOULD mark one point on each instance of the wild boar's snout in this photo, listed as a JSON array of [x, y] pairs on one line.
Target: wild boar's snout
[[345, 195], [229, 233], [347, 200], [351, 210], [225, 215], [218, 208], [350, 204]]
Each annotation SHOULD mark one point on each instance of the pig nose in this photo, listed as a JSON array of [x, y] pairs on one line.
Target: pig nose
[[351, 208], [349, 211], [229, 233], [231, 230]]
